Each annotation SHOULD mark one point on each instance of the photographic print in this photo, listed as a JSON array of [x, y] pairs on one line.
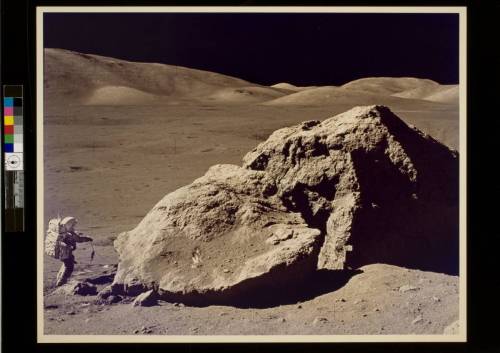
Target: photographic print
[[243, 174]]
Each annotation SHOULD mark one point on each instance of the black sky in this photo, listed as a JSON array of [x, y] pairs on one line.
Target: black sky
[[304, 49]]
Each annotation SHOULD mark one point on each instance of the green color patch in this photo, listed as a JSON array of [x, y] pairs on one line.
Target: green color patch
[[9, 138]]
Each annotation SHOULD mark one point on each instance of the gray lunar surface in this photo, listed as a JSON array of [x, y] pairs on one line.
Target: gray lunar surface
[[247, 209]]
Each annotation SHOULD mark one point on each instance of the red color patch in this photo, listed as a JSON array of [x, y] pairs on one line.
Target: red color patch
[[8, 129]]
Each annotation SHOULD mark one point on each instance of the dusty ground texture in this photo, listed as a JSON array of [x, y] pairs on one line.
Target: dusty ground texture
[[380, 299], [108, 164]]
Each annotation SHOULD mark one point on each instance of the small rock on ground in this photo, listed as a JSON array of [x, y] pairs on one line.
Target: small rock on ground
[[77, 288], [319, 320], [417, 320], [407, 288], [148, 298], [105, 293], [112, 299]]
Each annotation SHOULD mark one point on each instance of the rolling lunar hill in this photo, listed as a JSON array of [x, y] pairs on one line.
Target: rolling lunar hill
[[87, 79], [98, 80]]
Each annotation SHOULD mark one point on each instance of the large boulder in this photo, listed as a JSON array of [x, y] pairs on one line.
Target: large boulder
[[358, 188], [224, 230]]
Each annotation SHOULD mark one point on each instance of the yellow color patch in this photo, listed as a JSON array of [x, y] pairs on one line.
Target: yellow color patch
[[8, 120]]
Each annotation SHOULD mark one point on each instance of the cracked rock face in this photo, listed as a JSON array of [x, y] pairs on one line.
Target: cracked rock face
[[361, 187], [225, 228], [371, 184]]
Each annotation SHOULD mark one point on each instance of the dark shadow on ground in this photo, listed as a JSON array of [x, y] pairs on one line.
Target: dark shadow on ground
[[253, 294]]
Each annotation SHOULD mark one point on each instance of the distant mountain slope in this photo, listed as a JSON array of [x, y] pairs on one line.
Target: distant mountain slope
[[439, 93], [93, 79], [387, 85], [247, 94], [290, 87], [329, 95], [371, 90], [75, 78], [446, 95]]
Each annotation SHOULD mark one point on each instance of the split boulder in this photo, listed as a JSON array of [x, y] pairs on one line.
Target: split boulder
[[358, 188]]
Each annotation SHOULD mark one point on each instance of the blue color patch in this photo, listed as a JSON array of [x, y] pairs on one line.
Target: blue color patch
[[8, 147], [8, 102]]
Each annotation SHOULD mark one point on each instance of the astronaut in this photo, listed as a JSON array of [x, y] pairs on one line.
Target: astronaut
[[68, 238]]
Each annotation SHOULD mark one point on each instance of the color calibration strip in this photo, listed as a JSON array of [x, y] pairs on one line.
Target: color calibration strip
[[13, 124], [13, 147]]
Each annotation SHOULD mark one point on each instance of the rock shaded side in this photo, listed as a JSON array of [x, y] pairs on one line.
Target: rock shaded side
[[372, 184]]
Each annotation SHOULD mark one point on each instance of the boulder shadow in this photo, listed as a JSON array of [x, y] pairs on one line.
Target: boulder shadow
[[268, 292]]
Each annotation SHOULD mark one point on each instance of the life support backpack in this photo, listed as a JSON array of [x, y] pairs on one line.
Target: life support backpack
[[54, 245]]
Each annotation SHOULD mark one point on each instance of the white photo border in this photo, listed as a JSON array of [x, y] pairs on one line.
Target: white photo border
[[460, 337]]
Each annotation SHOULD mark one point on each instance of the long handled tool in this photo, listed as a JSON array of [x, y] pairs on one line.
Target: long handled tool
[[92, 254]]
